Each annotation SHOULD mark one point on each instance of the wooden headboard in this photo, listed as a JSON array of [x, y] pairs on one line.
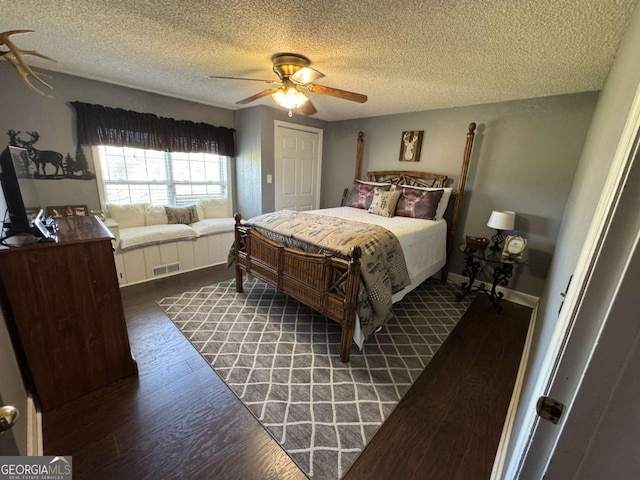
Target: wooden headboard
[[426, 179]]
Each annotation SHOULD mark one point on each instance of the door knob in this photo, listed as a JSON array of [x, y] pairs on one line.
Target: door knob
[[8, 417]]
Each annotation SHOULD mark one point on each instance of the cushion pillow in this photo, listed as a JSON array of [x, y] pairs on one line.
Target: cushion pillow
[[215, 208], [130, 215], [418, 203], [444, 201], [184, 215], [361, 193], [154, 235], [384, 202], [155, 215]]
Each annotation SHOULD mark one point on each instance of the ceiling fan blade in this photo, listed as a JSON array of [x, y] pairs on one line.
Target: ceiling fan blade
[[308, 109], [335, 92], [242, 78], [306, 75], [263, 93]]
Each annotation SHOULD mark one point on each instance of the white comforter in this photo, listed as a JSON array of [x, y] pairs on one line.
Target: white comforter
[[423, 242]]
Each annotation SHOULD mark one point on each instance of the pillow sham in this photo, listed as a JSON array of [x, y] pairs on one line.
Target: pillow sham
[[185, 215], [444, 201], [418, 203], [361, 193], [384, 202]]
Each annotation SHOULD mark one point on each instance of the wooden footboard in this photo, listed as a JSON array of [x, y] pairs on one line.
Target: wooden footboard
[[326, 283]]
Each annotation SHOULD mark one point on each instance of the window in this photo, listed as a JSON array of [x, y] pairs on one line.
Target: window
[[132, 175]]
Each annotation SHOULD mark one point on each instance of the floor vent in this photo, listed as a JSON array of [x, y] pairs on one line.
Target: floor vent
[[164, 269]]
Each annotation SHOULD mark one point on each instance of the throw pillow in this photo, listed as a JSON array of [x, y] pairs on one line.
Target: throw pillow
[[184, 215], [215, 208], [444, 201], [418, 203], [361, 193], [130, 215], [155, 215], [384, 203]]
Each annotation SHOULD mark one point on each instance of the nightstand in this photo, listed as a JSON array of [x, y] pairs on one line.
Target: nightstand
[[501, 271]]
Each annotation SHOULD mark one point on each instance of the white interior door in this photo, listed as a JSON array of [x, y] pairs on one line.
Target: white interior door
[[298, 163]]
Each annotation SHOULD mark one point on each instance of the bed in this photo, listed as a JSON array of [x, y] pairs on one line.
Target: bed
[[324, 258]]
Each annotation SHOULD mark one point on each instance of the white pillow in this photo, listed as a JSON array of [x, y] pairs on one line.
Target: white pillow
[[444, 201], [131, 215], [155, 215], [216, 208], [200, 210]]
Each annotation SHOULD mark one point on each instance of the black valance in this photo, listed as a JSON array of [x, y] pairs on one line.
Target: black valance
[[98, 125]]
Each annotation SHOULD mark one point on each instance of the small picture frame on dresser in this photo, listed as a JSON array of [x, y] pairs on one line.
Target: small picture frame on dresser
[[68, 211]]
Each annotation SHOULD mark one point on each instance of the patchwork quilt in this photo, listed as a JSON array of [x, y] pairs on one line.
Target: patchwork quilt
[[383, 268]]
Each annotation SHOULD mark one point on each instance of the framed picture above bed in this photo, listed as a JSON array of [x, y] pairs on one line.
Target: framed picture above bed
[[410, 145]]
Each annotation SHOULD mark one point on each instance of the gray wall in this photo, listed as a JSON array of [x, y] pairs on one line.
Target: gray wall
[[255, 156], [54, 119], [524, 159], [248, 189], [605, 132]]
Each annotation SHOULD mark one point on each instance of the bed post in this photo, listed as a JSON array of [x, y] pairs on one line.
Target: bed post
[[458, 194], [350, 303], [236, 252], [359, 150]]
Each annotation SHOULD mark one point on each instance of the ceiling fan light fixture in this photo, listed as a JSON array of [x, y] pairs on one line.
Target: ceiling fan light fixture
[[289, 97]]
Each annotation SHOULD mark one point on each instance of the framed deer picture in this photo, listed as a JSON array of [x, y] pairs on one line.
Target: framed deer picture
[[410, 145]]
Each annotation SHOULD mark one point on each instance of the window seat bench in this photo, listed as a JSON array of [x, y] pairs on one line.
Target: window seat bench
[[146, 249]]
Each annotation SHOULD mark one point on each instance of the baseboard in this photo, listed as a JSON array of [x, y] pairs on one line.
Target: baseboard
[[172, 274], [35, 444], [503, 447], [511, 295]]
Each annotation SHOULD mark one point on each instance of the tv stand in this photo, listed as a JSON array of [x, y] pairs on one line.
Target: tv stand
[[64, 300]]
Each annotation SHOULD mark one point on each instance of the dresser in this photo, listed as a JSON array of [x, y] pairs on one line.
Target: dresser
[[64, 301]]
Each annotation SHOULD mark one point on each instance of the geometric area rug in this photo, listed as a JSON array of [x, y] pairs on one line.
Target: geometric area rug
[[282, 360]]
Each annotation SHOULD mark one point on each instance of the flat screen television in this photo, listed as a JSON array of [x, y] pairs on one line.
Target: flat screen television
[[20, 194]]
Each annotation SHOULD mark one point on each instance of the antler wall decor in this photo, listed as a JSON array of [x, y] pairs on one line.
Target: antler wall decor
[[15, 56]]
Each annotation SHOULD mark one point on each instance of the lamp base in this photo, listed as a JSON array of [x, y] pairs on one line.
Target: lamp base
[[498, 241]]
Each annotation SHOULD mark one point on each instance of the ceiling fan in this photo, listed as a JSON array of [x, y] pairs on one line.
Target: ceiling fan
[[295, 76]]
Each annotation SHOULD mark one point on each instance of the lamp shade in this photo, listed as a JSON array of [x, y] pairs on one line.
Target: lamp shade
[[289, 97], [502, 220]]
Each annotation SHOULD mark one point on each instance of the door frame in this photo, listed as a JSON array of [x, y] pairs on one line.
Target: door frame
[[561, 341], [305, 128]]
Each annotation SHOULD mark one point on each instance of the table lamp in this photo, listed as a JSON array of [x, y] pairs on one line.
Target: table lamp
[[500, 220]]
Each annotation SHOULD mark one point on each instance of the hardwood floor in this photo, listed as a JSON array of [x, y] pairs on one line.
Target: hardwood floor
[[448, 425], [177, 419]]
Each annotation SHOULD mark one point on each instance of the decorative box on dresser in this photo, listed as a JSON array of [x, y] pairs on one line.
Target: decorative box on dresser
[[64, 300]]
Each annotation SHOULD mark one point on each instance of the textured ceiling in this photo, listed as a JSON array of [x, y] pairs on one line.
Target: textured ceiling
[[405, 55]]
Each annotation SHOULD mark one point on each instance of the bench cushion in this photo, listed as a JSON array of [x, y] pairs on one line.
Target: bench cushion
[[154, 234], [209, 226]]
